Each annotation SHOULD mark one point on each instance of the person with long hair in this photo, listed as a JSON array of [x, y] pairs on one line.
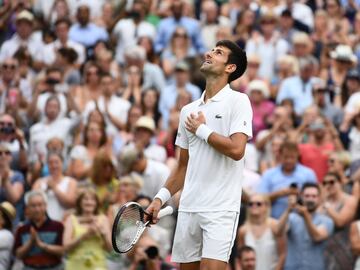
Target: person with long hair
[[90, 89], [341, 208], [82, 155], [87, 235], [245, 26], [103, 177], [150, 105], [7, 215], [259, 232], [60, 189]]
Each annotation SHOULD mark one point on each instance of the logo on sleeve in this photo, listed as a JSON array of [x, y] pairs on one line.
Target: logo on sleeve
[[218, 116], [178, 135], [245, 123]]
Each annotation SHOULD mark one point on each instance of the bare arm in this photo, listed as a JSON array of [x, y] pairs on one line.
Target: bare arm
[[232, 147], [68, 239], [56, 250], [281, 245], [346, 214], [13, 191], [67, 198], [281, 226], [22, 251], [282, 193], [355, 239], [317, 233]]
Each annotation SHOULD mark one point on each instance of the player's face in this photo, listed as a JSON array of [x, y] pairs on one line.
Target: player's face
[[215, 61]]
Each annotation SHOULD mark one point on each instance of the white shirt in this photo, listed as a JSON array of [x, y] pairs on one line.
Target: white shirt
[[33, 44], [117, 106], [213, 181], [353, 104], [50, 51], [155, 152], [6, 245], [41, 132], [127, 34], [300, 12], [41, 103], [154, 176]]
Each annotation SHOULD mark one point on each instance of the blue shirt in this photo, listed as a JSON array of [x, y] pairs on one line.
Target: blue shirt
[[168, 99], [168, 25], [298, 91], [274, 179], [303, 253], [87, 35]]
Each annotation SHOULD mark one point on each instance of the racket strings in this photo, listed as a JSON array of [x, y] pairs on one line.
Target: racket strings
[[129, 228]]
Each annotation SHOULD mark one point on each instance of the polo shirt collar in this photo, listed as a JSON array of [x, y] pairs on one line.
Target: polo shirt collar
[[218, 97]]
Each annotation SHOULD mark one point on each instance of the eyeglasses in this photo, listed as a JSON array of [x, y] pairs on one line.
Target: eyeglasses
[[329, 183], [258, 204], [4, 153], [9, 124], [9, 66]]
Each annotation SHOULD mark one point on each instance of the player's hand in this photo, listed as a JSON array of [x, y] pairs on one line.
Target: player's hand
[[154, 209], [194, 121]]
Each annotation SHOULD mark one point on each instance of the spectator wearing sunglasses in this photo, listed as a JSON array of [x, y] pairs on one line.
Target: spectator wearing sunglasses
[[258, 232], [13, 138], [11, 183], [341, 208]]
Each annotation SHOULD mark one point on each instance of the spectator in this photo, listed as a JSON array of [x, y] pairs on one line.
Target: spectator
[[275, 157], [299, 88], [246, 258], [339, 163], [354, 137], [355, 240], [143, 134], [23, 37], [153, 76], [114, 108], [127, 31], [147, 43], [259, 231], [7, 215], [341, 208], [315, 153], [287, 26], [179, 49], [60, 189], [39, 243], [154, 173], [245, 26], [302, 45], [150, 106], [84, 31], [285, 179], [87, 234], [267, 45], [60, 10], [82, 155], [307, 230], [168, 25], [103, 178], [259, 93], [169, 93], [62, 27], [12, 183], [66, 58]]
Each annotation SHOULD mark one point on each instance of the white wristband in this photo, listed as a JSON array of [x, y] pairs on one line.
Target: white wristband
[[203, 132], [164, 195]]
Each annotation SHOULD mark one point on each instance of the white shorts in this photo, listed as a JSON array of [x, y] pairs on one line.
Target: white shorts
[[208, 235]]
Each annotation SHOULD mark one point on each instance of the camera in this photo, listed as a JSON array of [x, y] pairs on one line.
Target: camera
[[8, 130], [152, 252]]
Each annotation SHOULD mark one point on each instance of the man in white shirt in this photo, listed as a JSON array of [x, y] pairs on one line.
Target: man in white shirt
[[23, 38], [62, 27], [212, 135], [128, 30]]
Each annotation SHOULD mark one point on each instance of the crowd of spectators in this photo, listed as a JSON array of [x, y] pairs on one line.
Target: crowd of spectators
[[90, 97]]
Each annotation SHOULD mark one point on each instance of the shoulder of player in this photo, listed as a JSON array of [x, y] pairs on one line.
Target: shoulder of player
[[236, 96]]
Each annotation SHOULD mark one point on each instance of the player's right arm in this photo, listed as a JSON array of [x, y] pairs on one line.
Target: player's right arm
[[174, 183]]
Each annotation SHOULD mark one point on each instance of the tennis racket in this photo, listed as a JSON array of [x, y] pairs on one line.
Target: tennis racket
[[130, 222]]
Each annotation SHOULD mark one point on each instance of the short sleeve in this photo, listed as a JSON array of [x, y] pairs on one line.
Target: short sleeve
[[329, 225], [181, 137], [264, 186], [241, 120], [18, 177]]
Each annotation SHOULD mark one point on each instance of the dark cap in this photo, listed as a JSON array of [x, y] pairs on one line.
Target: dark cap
[[353, 74], [286, 13]]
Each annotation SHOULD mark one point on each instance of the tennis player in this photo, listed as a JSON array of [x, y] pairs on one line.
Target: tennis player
[[212, 135]]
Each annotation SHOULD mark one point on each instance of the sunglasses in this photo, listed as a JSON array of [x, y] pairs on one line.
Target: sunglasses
[[329, 183], [5, 153], [180, 35], [9, 124], [258, 204], [11, 67]]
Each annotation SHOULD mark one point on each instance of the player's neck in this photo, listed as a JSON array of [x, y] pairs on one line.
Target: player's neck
[[214, 85]]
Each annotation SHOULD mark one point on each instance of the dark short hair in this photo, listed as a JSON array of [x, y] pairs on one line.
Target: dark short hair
[[310, 185], [63, 20], [244, 249], [290, 146], [333, 174], [237, 57]]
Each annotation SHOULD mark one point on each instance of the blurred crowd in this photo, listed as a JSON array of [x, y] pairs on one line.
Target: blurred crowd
[[90, 96]]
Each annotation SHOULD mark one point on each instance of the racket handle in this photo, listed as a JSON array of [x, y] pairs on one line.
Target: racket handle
[[168, 210]]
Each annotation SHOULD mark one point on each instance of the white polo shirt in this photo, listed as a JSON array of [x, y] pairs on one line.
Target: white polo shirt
[[213, 181]]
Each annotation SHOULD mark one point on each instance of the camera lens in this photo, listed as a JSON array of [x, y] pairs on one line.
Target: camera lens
[[152, 252]]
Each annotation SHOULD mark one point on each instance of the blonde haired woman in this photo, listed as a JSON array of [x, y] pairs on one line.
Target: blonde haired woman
[[87, 235], [258, 232]]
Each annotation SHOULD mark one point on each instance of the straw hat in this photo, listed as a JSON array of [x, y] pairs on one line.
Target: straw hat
[[146, 122], [25, 16], [132, 179], [8, 209], [258, 85], [343, 53]]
